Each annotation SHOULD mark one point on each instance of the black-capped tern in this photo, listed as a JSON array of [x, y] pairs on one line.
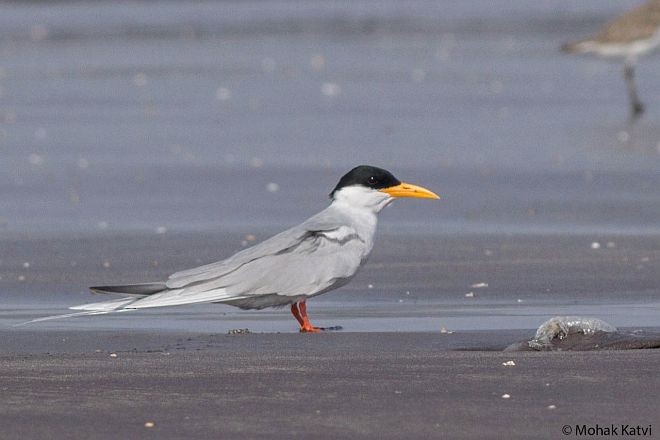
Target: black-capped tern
[[319, 255]]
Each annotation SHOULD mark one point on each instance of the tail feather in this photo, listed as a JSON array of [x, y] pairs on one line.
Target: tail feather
[[176, 297], [131, 289], [106, 306], [140, 296], [97, 308], [53, 317], [71, 315]]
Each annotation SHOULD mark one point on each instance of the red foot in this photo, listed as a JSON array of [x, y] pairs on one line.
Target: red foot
[[309, 328], [299, 311]]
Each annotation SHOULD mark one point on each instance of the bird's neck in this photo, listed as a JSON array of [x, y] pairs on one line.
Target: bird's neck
[[359, 199], [363, 220]]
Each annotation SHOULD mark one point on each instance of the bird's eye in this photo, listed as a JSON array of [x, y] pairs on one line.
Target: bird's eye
[[373, 180]]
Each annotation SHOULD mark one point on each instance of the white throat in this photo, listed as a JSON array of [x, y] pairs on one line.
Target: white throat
[[358, 197], [360, 206]]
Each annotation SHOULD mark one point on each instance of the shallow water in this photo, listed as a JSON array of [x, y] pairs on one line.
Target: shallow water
[[147, 120], [138, 115], [412, 282]]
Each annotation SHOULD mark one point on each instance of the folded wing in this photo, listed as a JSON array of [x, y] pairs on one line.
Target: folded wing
[[318, 255]]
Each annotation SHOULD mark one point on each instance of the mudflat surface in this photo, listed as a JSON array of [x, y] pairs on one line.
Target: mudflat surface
[[390, 374], [350, 385]]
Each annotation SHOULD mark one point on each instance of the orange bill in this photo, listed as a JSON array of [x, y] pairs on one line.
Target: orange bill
[[409, 190]]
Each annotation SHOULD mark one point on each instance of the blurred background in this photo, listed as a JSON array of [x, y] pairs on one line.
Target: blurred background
[[188, 115], [236, 118]]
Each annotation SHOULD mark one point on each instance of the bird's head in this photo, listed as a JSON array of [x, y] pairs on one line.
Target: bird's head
[[375, 188]]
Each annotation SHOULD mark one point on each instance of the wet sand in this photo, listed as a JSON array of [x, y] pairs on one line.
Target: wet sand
[[390, 374], [411, 282], [179, 369], [340, 385]]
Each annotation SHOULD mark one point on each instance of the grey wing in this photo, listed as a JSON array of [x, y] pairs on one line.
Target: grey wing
[[325, 221], [316, 256], [318, 263]]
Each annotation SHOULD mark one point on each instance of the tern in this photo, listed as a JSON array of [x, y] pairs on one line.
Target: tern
[[631, 35], [317, 256]]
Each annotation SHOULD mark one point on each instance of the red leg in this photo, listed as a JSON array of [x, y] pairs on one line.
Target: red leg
[[306, 326], [296, 314]]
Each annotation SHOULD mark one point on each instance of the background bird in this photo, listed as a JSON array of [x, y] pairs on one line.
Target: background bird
[[629, 36], [319, 255]]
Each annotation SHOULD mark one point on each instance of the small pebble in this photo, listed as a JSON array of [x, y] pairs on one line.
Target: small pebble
[[223, 94], [140, 79], [149, 424], [36, 159], [317, 61], [519, 300], [623, 136], [26, 265], [446, 331], [21, 278], [509, 364], [330, 89], [256, 162], [370, 286], [595, 245], [238, 331], [552, 407], [106, 264], [506, 396], [469, 295], [479, 285], [113, 355]]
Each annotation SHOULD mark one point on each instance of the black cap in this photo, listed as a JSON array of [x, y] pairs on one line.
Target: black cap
[[368, 176]]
